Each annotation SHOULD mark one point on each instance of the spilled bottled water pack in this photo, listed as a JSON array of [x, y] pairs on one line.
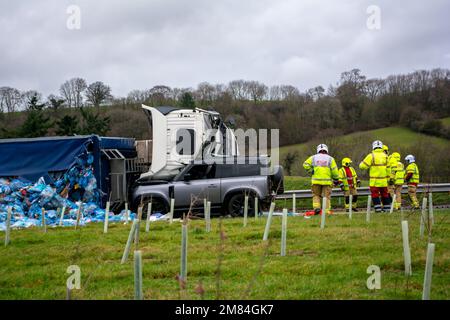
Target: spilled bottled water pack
[[75, 189]]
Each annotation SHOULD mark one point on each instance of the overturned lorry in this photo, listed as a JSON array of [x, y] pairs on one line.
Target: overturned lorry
[[193, 155]]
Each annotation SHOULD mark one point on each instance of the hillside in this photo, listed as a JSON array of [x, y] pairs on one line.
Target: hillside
[[357, 145], [446, 122]]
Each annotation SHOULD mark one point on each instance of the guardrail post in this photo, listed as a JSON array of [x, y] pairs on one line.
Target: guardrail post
[[256, 208], [421, 188]]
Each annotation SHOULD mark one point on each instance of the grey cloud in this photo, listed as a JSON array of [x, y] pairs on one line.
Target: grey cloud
[[138, 44]]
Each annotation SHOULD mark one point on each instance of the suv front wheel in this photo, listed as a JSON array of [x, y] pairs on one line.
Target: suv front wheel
[[235, 205]]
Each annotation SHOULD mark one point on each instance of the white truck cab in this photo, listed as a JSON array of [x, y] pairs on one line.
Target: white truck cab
[[182, 135]]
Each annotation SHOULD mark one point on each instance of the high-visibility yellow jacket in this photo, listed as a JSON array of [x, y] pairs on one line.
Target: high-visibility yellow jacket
[[344, 179], [414, 169], [323, 169], [391, 167], [398, 173], [376, 162]]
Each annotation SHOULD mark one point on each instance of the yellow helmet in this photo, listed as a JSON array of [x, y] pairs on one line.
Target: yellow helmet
[[385, 148], [346, 162], [396, 156]]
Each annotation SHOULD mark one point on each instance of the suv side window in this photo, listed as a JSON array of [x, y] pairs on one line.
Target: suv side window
[[238, 170], [203, 171]]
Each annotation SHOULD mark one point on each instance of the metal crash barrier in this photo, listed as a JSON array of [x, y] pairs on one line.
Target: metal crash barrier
[[337, 192]]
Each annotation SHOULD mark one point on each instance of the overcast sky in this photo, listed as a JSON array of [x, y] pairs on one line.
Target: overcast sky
[[138, 44]]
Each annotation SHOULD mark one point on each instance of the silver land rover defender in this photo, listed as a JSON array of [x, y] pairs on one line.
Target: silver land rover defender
[[224, 183]]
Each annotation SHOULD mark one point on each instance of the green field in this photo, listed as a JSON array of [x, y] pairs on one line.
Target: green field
[[392, 136], [446, 121], [320, 264]]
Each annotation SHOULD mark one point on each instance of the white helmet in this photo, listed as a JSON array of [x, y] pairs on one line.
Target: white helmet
[[410, 158], [377, 144], [321, 147]]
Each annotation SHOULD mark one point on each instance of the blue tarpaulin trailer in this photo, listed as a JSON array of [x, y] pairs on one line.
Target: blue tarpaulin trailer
[[49, 157]]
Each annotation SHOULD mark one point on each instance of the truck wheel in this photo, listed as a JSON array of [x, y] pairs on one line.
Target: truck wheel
[[235, 205]]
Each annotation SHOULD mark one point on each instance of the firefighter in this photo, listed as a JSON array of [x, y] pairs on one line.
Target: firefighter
[[398, 178], [390, 166], [348, 181], [412, 179], [376, 163], [324, 173]]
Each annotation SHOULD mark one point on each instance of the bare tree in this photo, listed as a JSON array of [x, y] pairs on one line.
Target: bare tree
[[138, 96], [10, 99], [66, 92], [275, 93], [79, 86], [26, 97], [97, 93], [256, 90], [289, 92], [374, 88], [316, 93], [237, 89], [159, 94], [54, 102], [205, 93], [72, 91]]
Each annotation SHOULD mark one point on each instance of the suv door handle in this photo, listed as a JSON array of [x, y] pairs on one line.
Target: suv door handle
[[212, 185]]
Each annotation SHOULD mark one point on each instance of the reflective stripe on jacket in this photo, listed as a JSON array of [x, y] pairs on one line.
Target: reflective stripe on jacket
[[323, 169], [414, 169], [376, 162], [344, 179]]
